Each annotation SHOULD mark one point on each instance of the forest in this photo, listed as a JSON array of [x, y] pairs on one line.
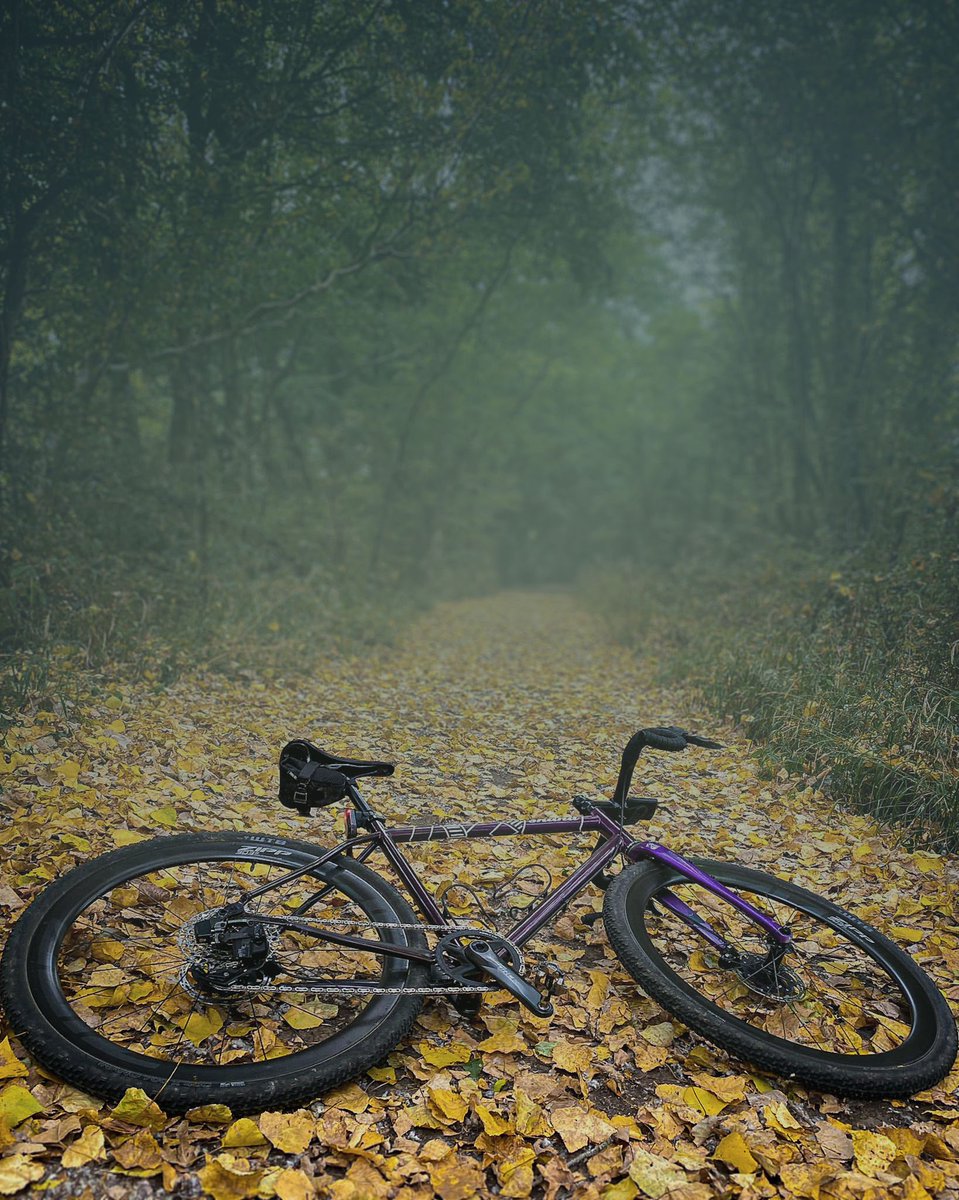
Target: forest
[[467, 386], [316, 313]]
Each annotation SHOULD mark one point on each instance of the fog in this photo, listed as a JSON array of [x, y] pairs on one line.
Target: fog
[[314, 313]]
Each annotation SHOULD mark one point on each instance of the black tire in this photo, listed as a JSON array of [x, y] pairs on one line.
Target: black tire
[[652, 944], [33, 996]]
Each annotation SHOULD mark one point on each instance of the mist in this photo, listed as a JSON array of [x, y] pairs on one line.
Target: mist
[[479, 599], [315, 315]]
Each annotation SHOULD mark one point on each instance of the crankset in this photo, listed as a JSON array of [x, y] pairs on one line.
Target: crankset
[[468, 958]]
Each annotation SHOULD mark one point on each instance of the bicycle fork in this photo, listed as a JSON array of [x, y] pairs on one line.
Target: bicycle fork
[[669, 858], [778, 937]]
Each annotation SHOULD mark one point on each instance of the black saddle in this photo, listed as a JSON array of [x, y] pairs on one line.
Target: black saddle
[[310, 778], [353, 768]]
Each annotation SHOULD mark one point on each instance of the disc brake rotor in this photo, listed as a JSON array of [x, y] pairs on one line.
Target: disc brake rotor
[[773, 980], [206, 962]]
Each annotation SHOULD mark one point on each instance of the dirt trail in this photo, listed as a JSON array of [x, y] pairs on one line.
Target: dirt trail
[[502, 706]]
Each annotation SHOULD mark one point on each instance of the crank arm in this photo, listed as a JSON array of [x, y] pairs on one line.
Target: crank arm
[[480, 954]]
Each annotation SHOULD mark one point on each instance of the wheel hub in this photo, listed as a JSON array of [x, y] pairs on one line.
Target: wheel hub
[[768, 976]]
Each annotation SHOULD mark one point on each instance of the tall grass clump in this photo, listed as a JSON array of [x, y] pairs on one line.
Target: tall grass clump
[[846, 672]]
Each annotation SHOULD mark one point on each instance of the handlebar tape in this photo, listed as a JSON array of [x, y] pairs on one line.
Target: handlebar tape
[[658, 737], [665, 737]]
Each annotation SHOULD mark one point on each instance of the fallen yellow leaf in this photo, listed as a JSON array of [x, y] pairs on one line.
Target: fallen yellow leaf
[[88, 1147], [17, 1103], [873, 1151], [227, 1178], [450, 1106], [289, 1132], [136, 1108], [292, 1184], [444, 1056], [10, 1066], [733, 1151], [654, 1175], [16, 1172], [243, 1132]]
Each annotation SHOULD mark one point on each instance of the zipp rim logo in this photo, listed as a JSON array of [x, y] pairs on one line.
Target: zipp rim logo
[[849, 929], [264, 845]]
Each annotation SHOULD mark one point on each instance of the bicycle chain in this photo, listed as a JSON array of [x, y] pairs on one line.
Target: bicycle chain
[[187, 942]]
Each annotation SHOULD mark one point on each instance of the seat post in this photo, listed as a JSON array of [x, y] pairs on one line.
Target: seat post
[[357, 797]]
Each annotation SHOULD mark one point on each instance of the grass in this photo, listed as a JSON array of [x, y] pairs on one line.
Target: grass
[[847, 673], [69, 615]]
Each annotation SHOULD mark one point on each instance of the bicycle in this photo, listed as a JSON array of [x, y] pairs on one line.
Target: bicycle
[[259, 971]]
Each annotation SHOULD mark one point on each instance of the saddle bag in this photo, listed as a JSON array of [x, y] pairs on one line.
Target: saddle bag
[[305, 782]]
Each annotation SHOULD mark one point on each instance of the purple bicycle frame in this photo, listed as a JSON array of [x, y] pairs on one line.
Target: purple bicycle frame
[[616, 841]]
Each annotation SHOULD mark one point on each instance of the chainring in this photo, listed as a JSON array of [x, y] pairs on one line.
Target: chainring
[[448, 955]]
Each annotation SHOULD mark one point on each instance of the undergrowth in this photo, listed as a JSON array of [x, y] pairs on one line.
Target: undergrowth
[[71, 608], [847, 673]]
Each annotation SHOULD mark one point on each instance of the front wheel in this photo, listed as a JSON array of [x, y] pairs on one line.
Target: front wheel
[[105, 981], [846, 1010]]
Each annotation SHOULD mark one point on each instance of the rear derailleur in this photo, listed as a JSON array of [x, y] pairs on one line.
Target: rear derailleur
[[232, 953]]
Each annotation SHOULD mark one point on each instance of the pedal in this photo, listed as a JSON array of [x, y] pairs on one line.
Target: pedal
[[467, 1006], [481, 955], [591, 918]]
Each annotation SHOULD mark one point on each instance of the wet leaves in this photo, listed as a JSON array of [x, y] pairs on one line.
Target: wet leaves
[[494, 708]]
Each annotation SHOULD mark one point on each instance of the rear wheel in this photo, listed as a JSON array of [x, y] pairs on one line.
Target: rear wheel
[[846, 1010], [106, 981]]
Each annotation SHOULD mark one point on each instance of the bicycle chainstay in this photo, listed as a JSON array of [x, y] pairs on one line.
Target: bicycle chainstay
[[187, 942]]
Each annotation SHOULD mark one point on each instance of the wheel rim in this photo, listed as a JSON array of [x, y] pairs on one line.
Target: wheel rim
[[124, 992], [844, 996]]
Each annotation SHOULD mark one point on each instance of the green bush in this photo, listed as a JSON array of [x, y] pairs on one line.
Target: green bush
[[847, 673]]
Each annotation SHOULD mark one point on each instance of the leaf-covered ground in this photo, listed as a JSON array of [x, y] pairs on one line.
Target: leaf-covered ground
[[496, 707]]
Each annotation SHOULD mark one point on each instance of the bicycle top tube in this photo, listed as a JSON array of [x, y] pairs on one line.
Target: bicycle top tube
[[594, 823]]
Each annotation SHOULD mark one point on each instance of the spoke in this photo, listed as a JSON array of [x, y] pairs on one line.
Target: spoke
[[301, 1008], [795, 1011], [229, 883], [186, 1021], [126, 940], [122, 1015], [873, 1018], [729, 991]]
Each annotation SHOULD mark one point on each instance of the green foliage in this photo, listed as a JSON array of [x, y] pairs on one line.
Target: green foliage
[[849, 675]]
